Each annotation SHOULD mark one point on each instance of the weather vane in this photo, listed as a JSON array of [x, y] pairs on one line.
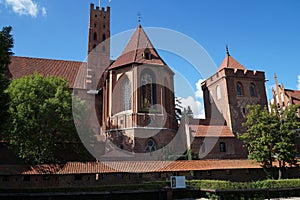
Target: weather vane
[[139, 17]]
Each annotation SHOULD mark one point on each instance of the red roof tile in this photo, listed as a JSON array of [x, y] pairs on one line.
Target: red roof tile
[[70, 70], [156, 166], [207, 130], [294, 94], [230, 62], [133, 52], [128, 166]]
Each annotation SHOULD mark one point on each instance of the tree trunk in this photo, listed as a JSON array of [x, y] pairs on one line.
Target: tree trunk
[[281, 170], [270, 156]]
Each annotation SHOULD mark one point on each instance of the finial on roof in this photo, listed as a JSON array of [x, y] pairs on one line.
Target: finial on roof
[[139, 18], [227, 51], [276, 79]]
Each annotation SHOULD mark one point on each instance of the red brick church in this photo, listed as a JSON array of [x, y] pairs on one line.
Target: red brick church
[[131, 99]]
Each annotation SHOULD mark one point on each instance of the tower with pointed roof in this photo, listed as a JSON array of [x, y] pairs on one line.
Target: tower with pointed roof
[[228, 92], [138, 98]]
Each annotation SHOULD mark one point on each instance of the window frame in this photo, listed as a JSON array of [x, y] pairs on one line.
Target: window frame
[[239, 89], [222, 146], [252, 90]]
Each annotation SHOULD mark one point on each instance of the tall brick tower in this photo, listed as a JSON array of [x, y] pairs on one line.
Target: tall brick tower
[[228, 92], [98, 45]]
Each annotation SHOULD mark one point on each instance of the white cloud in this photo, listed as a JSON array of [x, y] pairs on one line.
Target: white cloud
[[199, 92], [298, 86], [195, 105], [25, 7]]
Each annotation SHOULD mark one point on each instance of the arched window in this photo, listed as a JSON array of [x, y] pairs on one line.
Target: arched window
[[147, 54], [103, 37], [150, 145], [210, 97], [239, 89], [218, 92], [147, 90], [95, 36], [126, 94], [252, 90], [167, 96]]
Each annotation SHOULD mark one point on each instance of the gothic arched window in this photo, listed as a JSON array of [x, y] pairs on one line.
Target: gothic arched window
[[239, 89], [103, 37], [218, 91], [150, 145], [167, 96], [95, 36], [126, 89], [147, 90], [252, 90]]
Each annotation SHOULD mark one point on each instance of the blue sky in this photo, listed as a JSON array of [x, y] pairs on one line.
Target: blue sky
[[262, 35]]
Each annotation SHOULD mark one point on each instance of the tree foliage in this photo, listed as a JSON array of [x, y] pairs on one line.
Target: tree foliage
[[41, 117], [271, 135], [6, 45]]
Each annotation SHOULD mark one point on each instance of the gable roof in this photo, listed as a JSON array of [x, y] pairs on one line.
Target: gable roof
[[230, 62], [133, 52], [294, 95], [73, 71]]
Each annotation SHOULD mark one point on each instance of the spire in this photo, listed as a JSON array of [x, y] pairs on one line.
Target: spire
[[227, 51], [276, 79], [139, 18]]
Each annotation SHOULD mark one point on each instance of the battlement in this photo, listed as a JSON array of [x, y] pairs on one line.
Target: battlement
[[238, 73], [244, 73], [92, 8]]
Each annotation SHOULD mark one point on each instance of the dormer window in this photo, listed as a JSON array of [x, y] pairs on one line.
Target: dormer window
[[147, 54]]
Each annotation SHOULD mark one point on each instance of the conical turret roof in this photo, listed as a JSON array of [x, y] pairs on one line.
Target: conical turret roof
[[230, 62], [138, 50]]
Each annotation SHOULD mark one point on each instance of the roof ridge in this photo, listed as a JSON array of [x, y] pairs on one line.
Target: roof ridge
[[53, 59]]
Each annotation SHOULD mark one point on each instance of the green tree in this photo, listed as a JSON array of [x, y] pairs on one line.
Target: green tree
[[271, 135], [6, 45], [40, 117]]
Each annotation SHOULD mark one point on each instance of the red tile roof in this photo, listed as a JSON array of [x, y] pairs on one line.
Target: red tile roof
[[73, 71], [207, 130], [156, 166], [294, 94], [128, 166], [133, 52], [230, 62]]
